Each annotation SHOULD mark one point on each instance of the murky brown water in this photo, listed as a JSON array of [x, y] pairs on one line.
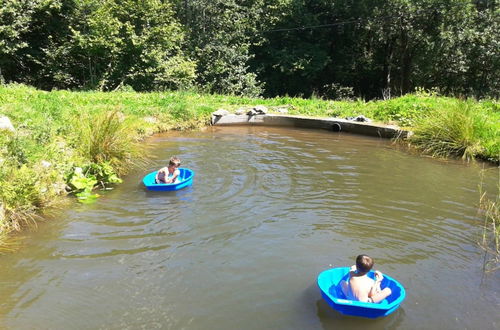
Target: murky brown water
[[269, 209]]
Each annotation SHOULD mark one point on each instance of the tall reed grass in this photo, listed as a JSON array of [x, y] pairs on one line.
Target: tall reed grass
[[106, 137], [490, 239], [458, 130]]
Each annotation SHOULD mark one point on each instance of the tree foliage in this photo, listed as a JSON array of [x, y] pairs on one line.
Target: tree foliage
[[381, 47], [335, 49], [96, 44], [220, 33], [131, 42]]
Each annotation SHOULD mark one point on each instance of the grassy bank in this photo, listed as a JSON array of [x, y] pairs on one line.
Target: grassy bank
[[73, 141]]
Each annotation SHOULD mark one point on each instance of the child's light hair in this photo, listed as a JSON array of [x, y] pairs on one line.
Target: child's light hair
[[174, 161]]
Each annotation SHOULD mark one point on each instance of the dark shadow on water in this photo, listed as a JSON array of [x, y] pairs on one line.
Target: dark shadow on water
[[182, 194], [153, 194]]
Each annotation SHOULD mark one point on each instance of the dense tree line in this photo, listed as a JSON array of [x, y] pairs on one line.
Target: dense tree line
[[331, 48]]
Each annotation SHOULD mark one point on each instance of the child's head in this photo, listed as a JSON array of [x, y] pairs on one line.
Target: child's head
[[174, 161], [364, 263]]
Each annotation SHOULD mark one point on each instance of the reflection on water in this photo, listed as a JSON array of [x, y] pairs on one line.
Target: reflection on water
[[269, 209]]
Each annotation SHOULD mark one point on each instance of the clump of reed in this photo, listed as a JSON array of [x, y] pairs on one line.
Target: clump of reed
[[490, 239], [456, 130], [107, 138], [8, 243]]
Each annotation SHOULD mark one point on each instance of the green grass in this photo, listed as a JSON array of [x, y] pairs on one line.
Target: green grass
[[74, 140], [104, 138], [462, 129]]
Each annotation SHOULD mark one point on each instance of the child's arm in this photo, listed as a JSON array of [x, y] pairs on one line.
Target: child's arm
[[379, 294], [376, 284], [174, 177]]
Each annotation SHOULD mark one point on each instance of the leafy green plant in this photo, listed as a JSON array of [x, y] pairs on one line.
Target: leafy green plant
[[82, 184], [82, 181], [103, 173]]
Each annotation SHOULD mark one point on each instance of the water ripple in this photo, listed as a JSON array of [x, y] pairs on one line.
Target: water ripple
[[263, 200]]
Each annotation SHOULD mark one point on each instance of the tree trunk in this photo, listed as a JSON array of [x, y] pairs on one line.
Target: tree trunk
[[389, 51], [405, 63], [406, 73]]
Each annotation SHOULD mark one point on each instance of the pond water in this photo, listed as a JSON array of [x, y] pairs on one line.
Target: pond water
[[270, 208]]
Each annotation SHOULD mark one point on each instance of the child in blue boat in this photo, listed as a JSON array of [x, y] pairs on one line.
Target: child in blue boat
[[362, 288], [170, 173]]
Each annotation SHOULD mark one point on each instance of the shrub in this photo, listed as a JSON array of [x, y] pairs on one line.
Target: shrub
[[25, 189]]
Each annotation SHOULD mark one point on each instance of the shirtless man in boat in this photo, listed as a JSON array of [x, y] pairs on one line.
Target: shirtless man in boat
[[362, 288], [170, 173]]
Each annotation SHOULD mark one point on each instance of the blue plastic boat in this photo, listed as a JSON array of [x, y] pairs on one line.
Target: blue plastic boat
[[331, 290], [184, 179]]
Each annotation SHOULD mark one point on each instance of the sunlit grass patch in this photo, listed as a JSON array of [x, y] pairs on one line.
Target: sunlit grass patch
[[457, 130], [106, 137]]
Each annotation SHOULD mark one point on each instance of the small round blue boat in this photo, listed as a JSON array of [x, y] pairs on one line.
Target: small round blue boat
[[331, 290], [184, 180]]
